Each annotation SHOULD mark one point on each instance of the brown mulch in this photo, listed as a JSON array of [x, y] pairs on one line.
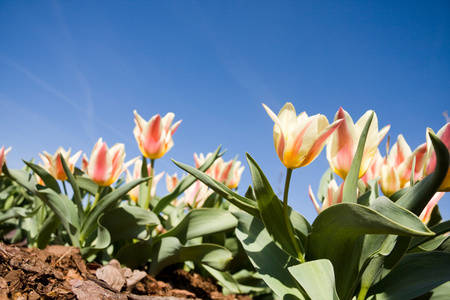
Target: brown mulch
[[59, 272]]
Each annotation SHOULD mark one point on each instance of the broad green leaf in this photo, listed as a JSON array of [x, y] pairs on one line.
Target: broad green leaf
[[50, 225], [349, 193], [232, 285], [64, 209], [104, 204], [243, 203], [416, 274], [15, 212], [438, 229], [186, 182], [143, 188], [76, 190], [48, 179], [272, 214], [23, 178], [317, 278], [86, 184], [200, 222], [342, 225], [136, 254], [128, 222], [268, 259], [169, 251], [417, 197]]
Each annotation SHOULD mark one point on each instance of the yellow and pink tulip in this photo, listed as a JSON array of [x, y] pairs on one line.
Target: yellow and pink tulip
[[444, 135], [105, 165], [136, 174], [343, 143], [154, 137], [53, 164], [299, 139]]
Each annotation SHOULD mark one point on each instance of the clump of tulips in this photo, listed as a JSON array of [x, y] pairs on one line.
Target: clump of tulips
[[378, 233]]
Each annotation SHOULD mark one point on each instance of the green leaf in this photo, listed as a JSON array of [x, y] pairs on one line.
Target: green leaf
[[170, 251], [109, 201], [48, 179], [351, 182], [243, 203], [317, 278], [200, 222], [15, 212], [185, 183], [23, 178], [135, 222], [64, 209], [417, 197], [268, 259], [342, 226], [415, 275], [136, 254], [76, 190], [438, 229], [271, 210], [86, 184], [50, 225], [323, 185]]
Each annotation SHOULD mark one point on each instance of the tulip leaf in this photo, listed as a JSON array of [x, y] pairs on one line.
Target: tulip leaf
[[104, 204], [438, 229], [317, 278], [417, 197], [50, 225], [135, 222], [15, 213], [64, 209], [186, 182], [169, 251], [243, 203], [268, 259], [342, 225], [86, 184], [23, 178], [415, 275], [135, 254], [48, 179], [76, 190], [349, 193], [272, 213], [200, 222]]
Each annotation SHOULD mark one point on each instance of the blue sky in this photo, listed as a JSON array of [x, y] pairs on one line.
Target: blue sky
[[74, 71]]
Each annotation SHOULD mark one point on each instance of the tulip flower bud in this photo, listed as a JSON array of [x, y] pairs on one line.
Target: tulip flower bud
[[3, 153], [444, 135], [53, 165]]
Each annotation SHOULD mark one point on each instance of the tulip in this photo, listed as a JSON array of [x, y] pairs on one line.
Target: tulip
[[426, 213], [444, 135], [134, 192], [106, 165], [374, 170], [197, 194], [343, 144], [397, 167], [53, 164], [333, 196], [228, 173], [171, 182], [154, 137], [3, 153], [299, 139]]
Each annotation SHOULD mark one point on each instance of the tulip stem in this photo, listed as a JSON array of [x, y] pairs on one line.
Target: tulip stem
[[286, 216], [149, 187], [97, 197], [64, 186]]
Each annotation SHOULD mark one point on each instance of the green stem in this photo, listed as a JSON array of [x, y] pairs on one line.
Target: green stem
[[286, 216], [64, 185], [97, 197], [362, 293], [149, 187]]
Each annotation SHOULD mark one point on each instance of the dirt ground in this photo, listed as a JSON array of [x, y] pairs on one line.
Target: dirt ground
[[59, 272]]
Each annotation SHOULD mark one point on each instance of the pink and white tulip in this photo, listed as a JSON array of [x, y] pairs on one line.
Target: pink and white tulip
[[3, 154], [426, 213], [53, 164], [105, 165], [374, 170], [341, 147], [444, 135], [299, 139], [228, 173], [333, 196], [154, 137], [136, 174], [171, 182], [397, 168]]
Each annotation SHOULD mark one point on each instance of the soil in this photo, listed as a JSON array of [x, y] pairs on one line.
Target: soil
[[59, 272]]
